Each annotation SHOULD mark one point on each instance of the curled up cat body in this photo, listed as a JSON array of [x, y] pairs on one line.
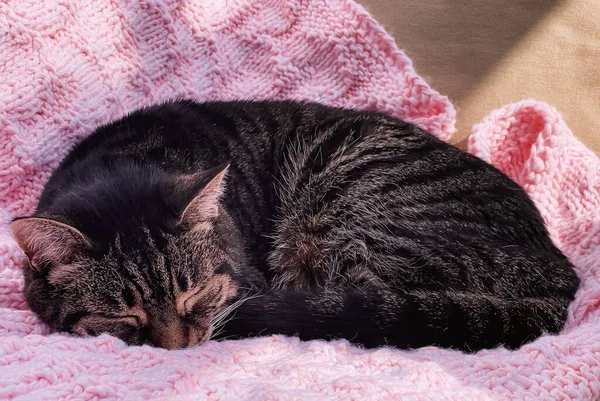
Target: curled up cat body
[[188, 221]]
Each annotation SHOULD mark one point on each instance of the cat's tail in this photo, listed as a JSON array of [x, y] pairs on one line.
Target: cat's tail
[[375, 317]]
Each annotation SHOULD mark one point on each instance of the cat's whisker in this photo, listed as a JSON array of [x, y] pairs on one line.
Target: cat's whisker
[[220, 318], [224, 320], [225, 312], [220, 328], [233, 336]]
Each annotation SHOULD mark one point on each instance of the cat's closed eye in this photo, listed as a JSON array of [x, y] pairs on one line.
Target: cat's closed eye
[[124, 327], [190, 318]]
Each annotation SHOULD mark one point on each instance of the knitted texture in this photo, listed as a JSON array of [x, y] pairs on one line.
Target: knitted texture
[[68, 65]]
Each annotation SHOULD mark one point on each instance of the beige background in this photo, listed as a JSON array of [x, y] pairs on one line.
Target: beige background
[[483, 54]]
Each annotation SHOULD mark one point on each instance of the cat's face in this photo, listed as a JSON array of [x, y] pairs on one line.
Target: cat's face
[[164, 286]]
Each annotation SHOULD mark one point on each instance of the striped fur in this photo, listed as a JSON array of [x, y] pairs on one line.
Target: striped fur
[[306, 220]]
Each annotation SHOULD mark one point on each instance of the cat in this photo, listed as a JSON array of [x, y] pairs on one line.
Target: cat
[[186, 221]]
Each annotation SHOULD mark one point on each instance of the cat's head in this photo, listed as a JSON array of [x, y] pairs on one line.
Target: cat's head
[[161, 277]]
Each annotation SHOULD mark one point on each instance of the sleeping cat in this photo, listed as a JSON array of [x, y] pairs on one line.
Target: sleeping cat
[[188, 221]]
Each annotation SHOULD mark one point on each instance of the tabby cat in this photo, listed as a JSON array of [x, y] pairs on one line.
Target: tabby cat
[[186, 221]]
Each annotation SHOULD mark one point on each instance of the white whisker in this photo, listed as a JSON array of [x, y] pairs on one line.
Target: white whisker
[[223, 317]]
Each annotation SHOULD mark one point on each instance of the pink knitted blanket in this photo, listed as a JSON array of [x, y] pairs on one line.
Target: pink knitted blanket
[[69, 65]]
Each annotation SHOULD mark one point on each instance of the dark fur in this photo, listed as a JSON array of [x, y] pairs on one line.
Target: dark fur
[[347, 224]]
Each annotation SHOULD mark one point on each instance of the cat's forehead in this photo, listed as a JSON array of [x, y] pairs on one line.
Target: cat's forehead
[[147, 253], [181, 255], [120, 283], [139, 237], [142, 242]]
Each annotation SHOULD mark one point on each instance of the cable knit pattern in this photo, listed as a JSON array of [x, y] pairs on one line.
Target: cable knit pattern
[[69, 65]]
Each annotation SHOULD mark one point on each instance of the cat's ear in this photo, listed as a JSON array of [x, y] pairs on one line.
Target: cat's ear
[[47, 242], [204, 205]]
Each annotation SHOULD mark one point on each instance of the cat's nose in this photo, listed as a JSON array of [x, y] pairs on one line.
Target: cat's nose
[[168, 331], [169, 338]]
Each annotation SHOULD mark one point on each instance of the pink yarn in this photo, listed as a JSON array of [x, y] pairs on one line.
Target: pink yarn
[[69, 65]]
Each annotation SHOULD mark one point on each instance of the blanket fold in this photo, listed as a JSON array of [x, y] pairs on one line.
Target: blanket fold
[[70, 65]]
